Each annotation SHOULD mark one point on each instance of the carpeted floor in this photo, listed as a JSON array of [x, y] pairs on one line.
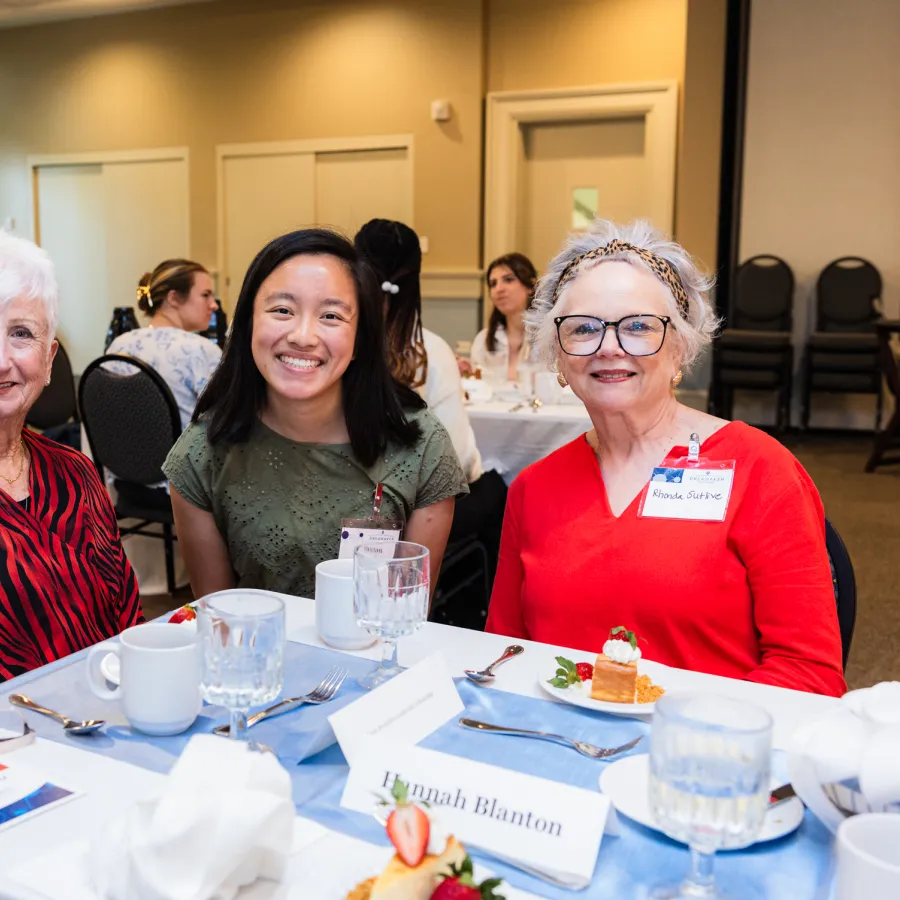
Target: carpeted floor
[[865, 509]]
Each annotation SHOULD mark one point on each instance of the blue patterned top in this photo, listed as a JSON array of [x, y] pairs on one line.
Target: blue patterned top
[[185, 361]]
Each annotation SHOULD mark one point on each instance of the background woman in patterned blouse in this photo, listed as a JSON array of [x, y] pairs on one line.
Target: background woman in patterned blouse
[[179, 298], [64, 580], [299, 423]]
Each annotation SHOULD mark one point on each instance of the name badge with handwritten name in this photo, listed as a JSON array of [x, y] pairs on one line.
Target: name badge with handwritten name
[[695, 491]]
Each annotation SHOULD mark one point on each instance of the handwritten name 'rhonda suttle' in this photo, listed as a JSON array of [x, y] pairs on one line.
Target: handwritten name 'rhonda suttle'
[[483, 806]]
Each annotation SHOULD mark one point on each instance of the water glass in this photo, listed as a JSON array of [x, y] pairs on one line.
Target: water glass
[[242, 636], [709, 780], [391, 590]]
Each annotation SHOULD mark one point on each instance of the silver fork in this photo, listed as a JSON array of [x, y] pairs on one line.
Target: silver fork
[[582, 747], [321, 693]]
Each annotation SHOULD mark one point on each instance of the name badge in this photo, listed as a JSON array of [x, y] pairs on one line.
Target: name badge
[[377, 541], [697, 491]]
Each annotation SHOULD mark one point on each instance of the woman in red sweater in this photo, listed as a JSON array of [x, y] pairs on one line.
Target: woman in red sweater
[[718, 562]]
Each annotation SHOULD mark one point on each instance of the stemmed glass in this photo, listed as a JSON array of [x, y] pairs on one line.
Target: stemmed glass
[[391, 589], [242, 636], [709, 780]]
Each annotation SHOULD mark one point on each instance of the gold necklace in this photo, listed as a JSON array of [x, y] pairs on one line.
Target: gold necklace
[[12, 481]]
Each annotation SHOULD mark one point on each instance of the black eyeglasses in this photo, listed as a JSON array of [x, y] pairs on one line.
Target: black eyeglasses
[[640, 335]]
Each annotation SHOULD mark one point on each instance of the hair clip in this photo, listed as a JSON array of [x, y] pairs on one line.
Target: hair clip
[[144, 291], [389, 288]]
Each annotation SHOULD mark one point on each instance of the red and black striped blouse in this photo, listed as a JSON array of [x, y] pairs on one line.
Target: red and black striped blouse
[[65, 582]]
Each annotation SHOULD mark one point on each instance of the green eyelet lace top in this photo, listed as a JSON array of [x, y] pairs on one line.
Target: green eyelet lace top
[[279, 503]]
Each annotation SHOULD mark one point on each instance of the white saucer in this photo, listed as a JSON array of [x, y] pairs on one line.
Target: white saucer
[[580, 694], [625, 782]]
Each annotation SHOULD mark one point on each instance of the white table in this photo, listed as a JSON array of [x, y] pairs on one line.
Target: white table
[[510, 441], [111, 785]]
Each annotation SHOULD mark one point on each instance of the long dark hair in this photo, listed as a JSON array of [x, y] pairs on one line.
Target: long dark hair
[[373, 401], [393, 251], [523, 268]]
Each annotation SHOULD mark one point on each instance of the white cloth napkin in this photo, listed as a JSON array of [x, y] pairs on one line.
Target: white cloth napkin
[[224, 819]]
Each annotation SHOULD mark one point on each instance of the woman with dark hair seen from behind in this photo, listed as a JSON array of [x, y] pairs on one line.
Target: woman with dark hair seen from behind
[[424, 361], [64, 580], [178, 297], [298, 426], [502, 347]]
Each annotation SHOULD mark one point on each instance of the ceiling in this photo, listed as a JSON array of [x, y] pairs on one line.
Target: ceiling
[[26, 12]]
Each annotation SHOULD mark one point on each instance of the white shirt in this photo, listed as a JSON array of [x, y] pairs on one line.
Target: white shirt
[[185, 361], [497, 360], [443, 393]]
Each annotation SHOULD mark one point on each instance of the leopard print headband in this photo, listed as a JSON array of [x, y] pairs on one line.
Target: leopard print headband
[[660, 267]]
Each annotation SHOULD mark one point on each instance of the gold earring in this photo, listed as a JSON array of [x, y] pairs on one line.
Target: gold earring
[[677, 379], [562, 380]]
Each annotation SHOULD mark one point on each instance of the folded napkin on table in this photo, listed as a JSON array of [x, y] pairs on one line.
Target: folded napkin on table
[[225, 818]]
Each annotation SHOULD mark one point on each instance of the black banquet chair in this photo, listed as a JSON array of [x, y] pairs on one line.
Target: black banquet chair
[[754, 352], [844, 582], [132, 421], [55, 411], [842, 353]]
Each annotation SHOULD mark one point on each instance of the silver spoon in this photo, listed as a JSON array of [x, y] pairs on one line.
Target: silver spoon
[[69, 725], [486, 675], [583, 747]]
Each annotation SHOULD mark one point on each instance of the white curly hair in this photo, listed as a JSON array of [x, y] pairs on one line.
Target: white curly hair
[[27, 271], [693, 333]]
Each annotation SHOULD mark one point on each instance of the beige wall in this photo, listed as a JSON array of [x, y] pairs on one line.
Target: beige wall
[[269, 70], [822, 154]]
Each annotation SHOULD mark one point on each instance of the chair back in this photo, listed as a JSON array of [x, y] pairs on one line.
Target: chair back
[[844, 586], [846, 295], [763, 295], [130, 416], [56, 404]]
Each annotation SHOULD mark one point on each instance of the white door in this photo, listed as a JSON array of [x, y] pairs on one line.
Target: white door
[[263, 197], [104, 225], [268, 192], [573, 171]]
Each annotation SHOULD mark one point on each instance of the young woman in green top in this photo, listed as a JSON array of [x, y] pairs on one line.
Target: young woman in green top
[[298, 425]]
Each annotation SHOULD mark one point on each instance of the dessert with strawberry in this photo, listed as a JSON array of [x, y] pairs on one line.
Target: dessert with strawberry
[[413, 872], [187, 613]]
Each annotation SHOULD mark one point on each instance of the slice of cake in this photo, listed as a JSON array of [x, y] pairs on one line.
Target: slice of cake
[[400, 882], [616, 672]]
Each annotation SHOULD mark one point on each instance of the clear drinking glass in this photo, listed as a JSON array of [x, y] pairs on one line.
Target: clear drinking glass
[[709, 780], [391, 589], [242, 636]]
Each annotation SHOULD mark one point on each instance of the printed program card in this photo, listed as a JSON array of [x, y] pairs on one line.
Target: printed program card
[[24, 793], [406, 709], [547, 826]]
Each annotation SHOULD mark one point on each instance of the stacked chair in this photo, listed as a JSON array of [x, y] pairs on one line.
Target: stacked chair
[[754, 352], [842, 353]]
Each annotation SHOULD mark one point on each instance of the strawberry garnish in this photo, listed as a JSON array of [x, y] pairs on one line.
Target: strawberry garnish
[[619, 633], [460, 884], [585, 671], [407, 826], [185, 614]]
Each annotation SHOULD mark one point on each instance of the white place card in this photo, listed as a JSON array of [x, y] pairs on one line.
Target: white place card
[[542, 826], [406, 709]]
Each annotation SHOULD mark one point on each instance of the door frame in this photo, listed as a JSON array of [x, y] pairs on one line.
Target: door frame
[[105, 157], [312, 145], [508, 111]]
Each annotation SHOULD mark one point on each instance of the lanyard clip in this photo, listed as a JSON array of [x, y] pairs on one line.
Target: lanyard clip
[[376, 500], [694, 448]]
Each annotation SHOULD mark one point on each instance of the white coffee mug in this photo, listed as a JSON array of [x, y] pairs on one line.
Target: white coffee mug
[[336, 622], [159, 681], [868, 857]]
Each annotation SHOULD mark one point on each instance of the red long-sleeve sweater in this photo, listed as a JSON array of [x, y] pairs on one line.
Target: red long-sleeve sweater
[[750, 597]]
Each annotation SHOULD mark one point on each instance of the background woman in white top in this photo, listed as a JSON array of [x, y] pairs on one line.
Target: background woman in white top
[[179, 298], [423, 360], [502, 347]]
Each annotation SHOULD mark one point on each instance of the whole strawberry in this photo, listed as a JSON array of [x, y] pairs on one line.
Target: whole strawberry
[[185, 614], [408, 826], [460, 884]]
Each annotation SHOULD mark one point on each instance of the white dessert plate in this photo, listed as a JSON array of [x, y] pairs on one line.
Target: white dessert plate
[[625, 782], [580, 694]]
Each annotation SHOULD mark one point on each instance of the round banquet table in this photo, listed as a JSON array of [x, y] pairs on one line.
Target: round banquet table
[[509, 441]]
